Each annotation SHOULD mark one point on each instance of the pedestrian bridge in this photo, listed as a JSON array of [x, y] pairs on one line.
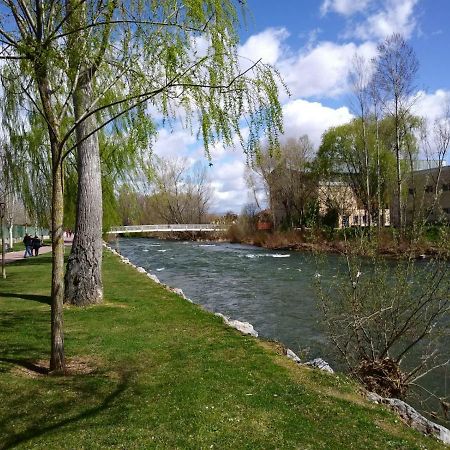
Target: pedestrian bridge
[[168, 228]]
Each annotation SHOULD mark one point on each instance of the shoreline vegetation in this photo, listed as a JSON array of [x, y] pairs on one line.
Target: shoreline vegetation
[[149, 370], [387, 244]]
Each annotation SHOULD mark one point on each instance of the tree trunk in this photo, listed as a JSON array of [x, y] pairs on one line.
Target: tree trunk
[[3, 250], [11, 239], [84, 269], [57, 363], [399, 219]]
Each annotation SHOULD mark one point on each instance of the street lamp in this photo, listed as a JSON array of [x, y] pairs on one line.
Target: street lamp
[[2, 214]]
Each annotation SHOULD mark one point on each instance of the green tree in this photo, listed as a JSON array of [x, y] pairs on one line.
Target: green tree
[[154, 63], [343, 156]]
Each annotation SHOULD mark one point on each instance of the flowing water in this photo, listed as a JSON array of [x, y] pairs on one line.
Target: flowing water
[[273, 290]]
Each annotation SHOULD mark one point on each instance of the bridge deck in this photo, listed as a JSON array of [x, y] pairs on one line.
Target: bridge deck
[[177, 227]]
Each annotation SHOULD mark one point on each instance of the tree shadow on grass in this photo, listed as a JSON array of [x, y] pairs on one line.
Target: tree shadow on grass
[[33, 297], [36, 430], [27, 364]]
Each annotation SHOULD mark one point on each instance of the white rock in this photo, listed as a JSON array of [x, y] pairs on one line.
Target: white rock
[[291, 355], [141, 270], [154, 278], [321, 364], [243, 327], [179, 292], [412, 417]]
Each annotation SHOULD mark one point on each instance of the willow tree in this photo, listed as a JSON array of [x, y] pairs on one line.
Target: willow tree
[[164, 57], [161, 43]]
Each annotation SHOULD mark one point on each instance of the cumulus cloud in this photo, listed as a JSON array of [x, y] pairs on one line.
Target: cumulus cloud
[[395, 16], [433, 105], [344, 7], [312, 118], [267, 46], [319, 69], [228, 182], [323, 70]]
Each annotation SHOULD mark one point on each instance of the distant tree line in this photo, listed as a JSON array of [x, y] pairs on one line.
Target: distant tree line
[[172, 191]]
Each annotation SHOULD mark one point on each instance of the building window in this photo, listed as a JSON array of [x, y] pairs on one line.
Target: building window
[[411, 191], [446, 187], [429, 189], [355, 220], [446, 210]]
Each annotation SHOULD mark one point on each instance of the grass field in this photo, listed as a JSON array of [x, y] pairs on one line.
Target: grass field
[[150, 370]]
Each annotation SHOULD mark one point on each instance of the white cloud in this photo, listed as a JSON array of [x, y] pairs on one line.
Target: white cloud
[[323, 70], [230, 190], [266, 46], [318, 69], [396, 16], [173, 143], [344, 7], [312, 118], [432, 106]]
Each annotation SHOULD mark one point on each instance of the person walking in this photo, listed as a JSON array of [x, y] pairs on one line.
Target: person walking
[[36, 245], [28, 242]]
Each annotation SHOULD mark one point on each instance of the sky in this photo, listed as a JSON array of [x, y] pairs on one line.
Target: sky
[[312, 44]]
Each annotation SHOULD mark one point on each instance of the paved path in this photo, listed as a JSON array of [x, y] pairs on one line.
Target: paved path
[[16, 256]]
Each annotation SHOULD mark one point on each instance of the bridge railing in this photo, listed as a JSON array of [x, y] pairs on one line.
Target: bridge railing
[[166, 228]]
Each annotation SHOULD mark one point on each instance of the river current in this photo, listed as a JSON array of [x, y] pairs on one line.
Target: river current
[[273, 290]]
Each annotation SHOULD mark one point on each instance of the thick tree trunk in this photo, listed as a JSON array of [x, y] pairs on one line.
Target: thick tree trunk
[[57, 363], [84, 269]]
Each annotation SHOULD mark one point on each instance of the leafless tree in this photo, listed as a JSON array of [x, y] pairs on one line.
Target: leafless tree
[[286, 179], [360, 79], [396, 67], [180, 192], [435, 141]]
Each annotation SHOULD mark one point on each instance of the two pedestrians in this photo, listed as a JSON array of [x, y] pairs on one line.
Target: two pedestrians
[[30, 245]]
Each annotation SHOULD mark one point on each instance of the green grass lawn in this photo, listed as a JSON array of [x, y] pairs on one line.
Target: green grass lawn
[[150, 370]]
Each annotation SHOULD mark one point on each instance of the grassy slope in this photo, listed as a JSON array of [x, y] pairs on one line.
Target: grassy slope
[[168, 375]]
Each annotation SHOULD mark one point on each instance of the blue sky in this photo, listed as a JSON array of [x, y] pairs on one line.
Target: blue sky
[[312, 43]]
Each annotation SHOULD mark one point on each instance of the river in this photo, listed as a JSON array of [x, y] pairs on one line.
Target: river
[[273, 290]]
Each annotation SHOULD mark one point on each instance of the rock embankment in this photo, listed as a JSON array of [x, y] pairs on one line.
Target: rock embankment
[[412, 417]]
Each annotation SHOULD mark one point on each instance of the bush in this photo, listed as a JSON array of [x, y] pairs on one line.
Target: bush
[[377, 311]]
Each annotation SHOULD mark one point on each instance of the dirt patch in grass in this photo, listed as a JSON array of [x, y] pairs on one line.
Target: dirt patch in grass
[[74, 366]]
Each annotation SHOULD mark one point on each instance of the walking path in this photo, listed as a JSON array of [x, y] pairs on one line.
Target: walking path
[[16, 256]]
